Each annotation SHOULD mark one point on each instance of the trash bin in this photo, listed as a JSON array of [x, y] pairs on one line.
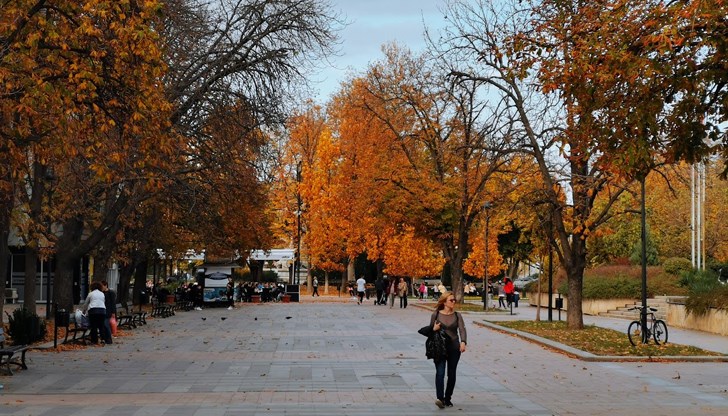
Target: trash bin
[[62, 318], [143, 297]]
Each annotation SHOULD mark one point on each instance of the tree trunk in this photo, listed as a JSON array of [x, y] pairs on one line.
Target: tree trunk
[[31, 271], [351, 271], [513, 269], [5, 209], [122, 290], [102, 258], [140, 279], [326, 282], [575, 275], [66, 259], [456, 272], [63, 282]]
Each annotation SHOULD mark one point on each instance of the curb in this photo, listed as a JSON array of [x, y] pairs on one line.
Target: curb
[[589, 357]]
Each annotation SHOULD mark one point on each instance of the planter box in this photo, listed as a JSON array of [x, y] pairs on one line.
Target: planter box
[[715, 321], [286, 298], [255, 299], [588, 306]]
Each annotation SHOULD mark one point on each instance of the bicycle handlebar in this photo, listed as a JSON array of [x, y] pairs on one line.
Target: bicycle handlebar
[[638, 307]]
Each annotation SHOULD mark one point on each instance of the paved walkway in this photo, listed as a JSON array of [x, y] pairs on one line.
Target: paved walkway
[[339, 358]]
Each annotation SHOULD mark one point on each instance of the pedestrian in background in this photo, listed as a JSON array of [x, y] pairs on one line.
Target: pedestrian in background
[[501, 295], [110, 304], [360, 289], [402, 292], [315, 287], [392, 291], [95, 308], [509, 289]]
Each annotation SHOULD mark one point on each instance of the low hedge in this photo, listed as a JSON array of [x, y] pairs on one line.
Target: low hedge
[[617, 282]]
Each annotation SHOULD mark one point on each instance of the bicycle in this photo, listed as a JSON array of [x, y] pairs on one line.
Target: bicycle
[[656, 328]]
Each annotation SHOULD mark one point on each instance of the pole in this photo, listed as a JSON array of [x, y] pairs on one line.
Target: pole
[[643, 315], [47, 288], [298, 232], [702, 214], [486, 208], [692, 216], [551, 267]]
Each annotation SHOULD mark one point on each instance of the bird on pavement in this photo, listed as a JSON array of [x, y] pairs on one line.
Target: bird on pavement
[[203, 318], [223, 317]]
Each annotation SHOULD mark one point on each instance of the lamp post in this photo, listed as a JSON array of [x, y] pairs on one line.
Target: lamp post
[[551, 266], [643, 237], [297, 262], [486, 207]]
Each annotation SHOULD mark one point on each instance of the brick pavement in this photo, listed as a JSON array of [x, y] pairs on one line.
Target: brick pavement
[[338, 358]]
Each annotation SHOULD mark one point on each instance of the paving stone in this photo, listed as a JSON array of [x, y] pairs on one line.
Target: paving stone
[[339, 358]]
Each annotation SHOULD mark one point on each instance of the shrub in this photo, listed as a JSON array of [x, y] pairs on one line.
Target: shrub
[[620, 281], [677, 265], [599, 288], [25, 327], [704, 292]]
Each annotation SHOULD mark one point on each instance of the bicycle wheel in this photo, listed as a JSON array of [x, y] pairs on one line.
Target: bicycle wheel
[[659, 332], [634, 332]]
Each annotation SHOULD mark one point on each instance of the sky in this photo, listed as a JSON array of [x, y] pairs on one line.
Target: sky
[[373, 23]]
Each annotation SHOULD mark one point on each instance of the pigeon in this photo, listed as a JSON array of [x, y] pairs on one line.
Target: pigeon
[[223, 317], [203, 318], [256, 318], [289, 317]]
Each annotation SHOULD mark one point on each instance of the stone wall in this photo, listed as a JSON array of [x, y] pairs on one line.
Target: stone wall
[[715, 321], [588, 306]]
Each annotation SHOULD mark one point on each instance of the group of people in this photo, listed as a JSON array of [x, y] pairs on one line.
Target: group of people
[[269, 292], [100, 306], [387, 289]]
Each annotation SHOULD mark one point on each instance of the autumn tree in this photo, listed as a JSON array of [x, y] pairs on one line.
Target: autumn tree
[[480, 46], [77, 72], [444, 151], [610, 69], [233, 67]]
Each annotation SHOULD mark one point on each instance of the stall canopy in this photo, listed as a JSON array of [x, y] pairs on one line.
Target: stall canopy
[[275, 254]]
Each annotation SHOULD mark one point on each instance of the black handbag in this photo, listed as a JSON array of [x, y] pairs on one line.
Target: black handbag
[[436, 343]]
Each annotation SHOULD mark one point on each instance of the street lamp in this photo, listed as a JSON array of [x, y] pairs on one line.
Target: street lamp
[[551, 265], [486, 207], [297, 262]]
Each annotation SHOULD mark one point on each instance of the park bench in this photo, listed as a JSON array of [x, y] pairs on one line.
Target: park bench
[[184, 305], [123, 318], [8, 356], [139, 318], [162, 310], [75, 333]]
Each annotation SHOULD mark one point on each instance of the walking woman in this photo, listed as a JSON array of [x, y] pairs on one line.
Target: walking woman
[[454, 325]]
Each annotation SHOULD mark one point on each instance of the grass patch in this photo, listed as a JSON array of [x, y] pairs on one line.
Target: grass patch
[[602, 341]]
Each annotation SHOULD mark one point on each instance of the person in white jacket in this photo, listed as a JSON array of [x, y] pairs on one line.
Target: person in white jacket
[[95, 307]]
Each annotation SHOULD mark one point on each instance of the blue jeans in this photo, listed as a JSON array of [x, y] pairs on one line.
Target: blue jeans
[[451, 363]]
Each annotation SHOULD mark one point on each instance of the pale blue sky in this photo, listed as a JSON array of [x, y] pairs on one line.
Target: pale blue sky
[[372, 24]]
